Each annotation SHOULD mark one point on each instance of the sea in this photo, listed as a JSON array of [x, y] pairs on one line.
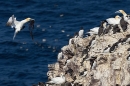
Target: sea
[[23, 61]]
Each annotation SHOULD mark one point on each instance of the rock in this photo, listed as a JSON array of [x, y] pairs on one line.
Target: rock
[[111, 68]]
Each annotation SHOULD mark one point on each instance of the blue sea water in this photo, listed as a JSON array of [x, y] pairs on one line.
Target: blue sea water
[[23, 62]]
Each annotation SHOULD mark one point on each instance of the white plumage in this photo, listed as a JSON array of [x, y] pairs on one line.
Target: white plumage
[[81, 33], [92, 33], [17, 25], [60, 55], [114, 21], [95, 29], [58, 80], [125, 16]]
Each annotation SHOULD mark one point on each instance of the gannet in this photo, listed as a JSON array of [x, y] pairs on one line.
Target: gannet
[[95, 29], [92, 33], [58, 80], [114, 21], [125, 16], [19, 25], [124, 19]]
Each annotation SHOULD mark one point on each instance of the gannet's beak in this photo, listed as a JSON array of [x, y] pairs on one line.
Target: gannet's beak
[[32, 19], [117, 12]]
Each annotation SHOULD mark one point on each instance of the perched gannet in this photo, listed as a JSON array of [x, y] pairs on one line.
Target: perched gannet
[[114, 21], [19, 25], [95, 29], [81, 33], [92, 33], [125, 16], [124, 19], [58, 80]]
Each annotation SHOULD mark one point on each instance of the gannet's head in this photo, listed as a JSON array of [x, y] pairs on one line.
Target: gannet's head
[[28, 19], [121, 11], [117, 17]]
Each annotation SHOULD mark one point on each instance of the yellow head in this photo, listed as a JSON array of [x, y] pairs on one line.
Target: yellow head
[[117, 17], [123, 12], [28, 19]]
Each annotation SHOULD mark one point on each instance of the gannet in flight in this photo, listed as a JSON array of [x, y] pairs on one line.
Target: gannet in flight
[[19, 25]]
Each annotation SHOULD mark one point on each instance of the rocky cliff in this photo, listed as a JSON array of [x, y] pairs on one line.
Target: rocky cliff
[[94, 61]]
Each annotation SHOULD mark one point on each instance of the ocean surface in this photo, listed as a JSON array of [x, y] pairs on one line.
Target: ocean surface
[[24, 62]]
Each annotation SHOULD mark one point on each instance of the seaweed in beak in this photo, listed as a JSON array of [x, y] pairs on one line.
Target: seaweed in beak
[[31, 27]]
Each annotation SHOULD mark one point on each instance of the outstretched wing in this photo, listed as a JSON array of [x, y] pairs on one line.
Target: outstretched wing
[[31, 27], [10, 21]]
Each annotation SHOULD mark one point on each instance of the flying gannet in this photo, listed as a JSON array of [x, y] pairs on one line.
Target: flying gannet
[[19, 25]]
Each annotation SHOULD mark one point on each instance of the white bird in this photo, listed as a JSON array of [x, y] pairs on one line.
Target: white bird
[[58, 80], [92, 33], [125, 16], [60, 55], [19, 25], [81, 33], [114, 21], [95, 29], [124, 20]]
